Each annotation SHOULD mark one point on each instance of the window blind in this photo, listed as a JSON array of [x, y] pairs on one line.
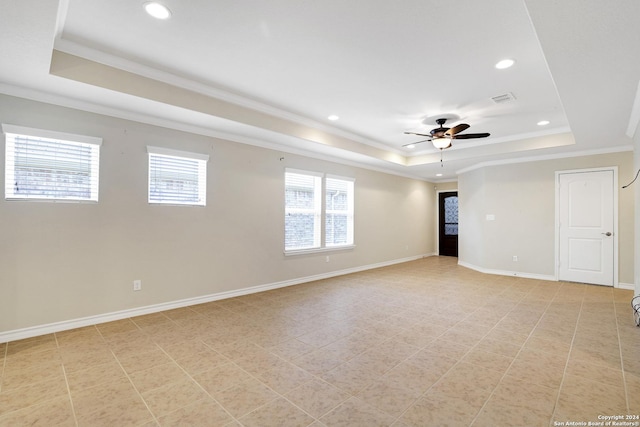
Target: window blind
[[39, 167], [177, 179]]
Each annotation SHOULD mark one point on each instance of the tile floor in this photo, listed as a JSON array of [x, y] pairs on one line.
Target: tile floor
[[424, 343]]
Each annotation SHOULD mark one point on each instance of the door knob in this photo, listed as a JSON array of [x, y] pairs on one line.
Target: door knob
[[608, 233]]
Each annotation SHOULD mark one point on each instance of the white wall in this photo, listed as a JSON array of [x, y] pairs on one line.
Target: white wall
[[522, 199], [62, 261]]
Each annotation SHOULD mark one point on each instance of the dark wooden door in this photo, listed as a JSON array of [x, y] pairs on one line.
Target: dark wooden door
[[448, 206]]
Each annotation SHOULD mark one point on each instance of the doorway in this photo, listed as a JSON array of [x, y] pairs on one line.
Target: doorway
[[448, 223], [586, 226]]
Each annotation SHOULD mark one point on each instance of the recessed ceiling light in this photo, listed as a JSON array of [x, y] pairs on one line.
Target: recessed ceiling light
[[438, 174], [157, 10], [505, 63], [410, 146], [333, 117], [543, 122]]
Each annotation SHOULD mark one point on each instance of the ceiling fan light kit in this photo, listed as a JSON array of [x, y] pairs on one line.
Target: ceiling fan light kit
[[441, 143]]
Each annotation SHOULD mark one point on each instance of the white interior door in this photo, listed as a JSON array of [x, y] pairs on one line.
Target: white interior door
[[586, 227]]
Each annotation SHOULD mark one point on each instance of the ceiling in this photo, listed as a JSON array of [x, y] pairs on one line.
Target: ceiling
[[270, 73]]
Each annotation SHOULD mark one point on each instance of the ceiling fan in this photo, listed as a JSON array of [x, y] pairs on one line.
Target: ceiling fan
[[441, 137]]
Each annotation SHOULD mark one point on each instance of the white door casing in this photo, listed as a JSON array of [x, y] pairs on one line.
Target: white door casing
[[586, 226]]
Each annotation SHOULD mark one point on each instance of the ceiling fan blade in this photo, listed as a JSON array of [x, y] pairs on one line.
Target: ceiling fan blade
[[456, 129], [471, 135], [419, 134], [417, 142]]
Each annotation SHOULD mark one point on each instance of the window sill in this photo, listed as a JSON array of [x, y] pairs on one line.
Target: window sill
[[318, 250]]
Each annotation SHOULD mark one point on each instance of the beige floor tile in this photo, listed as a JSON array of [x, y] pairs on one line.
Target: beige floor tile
[[283, 377], [291, 349], [258, 363], [94, 375], [245, 397], [356, 413], [506, 335], [524, 397], [438, 363], [597, 373], [117, 413], [149, 320], [79, 358], [317, 397], [548, 345], [435, 409], [319, 361], [497, 414], [28, 346], [173, 396], [502, 348], [415, 377], [16, 378], [157, 376], [221, 378], [204, 413], [200, 362], [580, 396], [389, 396], [479, 377], [351, 377], [595, 356], [19, 361], [277, 413], [33, 394], [448, 349], [116, 327], [633, 393], [90, 400], [537, 372], [132, 344], [489, 360], [145, 360], [54, 412]]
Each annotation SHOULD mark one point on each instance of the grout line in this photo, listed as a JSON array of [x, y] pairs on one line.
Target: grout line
[[66, 380], [566, 366], [624, 378], [155, 419]]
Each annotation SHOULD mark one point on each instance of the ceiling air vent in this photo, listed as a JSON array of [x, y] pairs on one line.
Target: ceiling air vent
[[501, 99]]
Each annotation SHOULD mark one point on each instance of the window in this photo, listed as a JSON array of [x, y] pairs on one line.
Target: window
[[339, 211], [303, 210], [47, 165], [177, 177], [306, 213]]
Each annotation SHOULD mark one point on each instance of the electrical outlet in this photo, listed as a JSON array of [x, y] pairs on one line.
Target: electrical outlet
[[137, 285], [515, 258], [327, 258]]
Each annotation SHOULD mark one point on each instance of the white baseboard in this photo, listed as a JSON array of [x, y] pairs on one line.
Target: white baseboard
[[507, 272], [620, 285], [49, 328], [627, 286]]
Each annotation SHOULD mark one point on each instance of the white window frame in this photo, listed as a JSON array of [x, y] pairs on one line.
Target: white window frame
[[320, 213], [201, 160], [52, 163], [348, 212], [316, 211]]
